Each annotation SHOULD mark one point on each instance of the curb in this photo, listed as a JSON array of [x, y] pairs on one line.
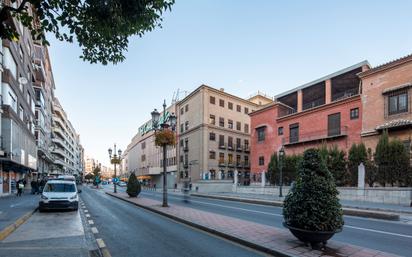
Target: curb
[[346, 211], [11, 228], [210, 230]]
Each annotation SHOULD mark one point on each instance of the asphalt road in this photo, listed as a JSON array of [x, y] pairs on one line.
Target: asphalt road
[[388, 236], [131, 231]]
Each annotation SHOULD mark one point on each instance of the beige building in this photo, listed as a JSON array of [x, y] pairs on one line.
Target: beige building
[[214, 134], [145, 159]]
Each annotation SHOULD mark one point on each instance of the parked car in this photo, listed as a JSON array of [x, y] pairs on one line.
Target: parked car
[[122, 184], [59, 194]]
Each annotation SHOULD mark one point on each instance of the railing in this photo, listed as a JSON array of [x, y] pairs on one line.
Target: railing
[[345, 94], [313, 104], [222, 164], [185, 148], [246, 148], [239, 148], [222, 145], [230, 147], [317, 135]]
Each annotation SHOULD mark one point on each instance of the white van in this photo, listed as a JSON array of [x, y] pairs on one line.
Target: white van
[[59, 194]]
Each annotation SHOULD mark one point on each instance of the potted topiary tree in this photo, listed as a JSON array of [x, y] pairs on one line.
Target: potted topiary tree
[[133, 186], [311, 210]]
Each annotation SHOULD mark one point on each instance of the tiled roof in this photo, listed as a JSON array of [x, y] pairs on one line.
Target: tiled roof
[[387, 65], [394, 124]]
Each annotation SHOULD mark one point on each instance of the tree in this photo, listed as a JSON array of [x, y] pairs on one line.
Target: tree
[[357, 155], [371, 170], [290, 168], [382, 158], [336, 164], [89, 176], [133, 186], [313, 203], [399, 164], [273, 169], [101, 28]]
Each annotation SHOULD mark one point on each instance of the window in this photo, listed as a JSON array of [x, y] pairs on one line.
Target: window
[[222, 122], [280, 131], [143, 158], [294, 133], [398, 102], [247, 128], [212, 136], [181, 142], [221, 157], [9, 62], [246, 110], [181, 128], [212, 155], [334, 124], [181, 158], [182, 111], [238, 108], [212, 119], [230, 105], [246, 158], [186, 108], [186, 144], [230, 124], [143, 145], [261, 160], [261, 134], [230, 142], [354, 113], [221, 140], [221, 103], [230, 158], [187, 125], [238, 159], [212, 100], [238, 126], [21, 112], [238, 143]]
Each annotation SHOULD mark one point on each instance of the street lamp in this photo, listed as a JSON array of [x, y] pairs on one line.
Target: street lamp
[[115, 159], [166, 122], [281, 155]]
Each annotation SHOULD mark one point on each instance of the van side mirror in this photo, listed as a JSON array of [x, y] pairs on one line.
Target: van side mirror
[[79, 191]]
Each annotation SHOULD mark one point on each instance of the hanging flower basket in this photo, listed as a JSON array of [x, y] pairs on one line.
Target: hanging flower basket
[[165, 137]]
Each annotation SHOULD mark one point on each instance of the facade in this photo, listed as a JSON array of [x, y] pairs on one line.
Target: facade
[[214, 135], [18, 153], [386, 100], [66, 148], [327, 110], [145, 159]]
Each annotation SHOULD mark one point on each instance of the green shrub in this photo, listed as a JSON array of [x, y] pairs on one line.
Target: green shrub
[[313, 204], [133, 186]]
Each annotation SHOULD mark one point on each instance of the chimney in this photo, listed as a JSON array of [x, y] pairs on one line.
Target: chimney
[[222, 89]]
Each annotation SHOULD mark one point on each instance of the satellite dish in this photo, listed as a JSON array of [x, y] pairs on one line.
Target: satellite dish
[[23, 80]]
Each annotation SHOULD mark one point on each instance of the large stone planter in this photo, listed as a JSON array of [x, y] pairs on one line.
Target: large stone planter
[[314, 238]]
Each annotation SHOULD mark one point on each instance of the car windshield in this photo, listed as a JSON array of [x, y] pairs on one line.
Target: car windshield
[[55, 187]]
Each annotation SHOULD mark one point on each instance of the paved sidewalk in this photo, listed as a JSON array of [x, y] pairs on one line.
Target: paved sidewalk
[[264, 238], [345, 203], [13, 207]]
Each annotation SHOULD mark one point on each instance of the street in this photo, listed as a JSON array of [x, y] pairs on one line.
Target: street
[[370, 233], [131, 231]]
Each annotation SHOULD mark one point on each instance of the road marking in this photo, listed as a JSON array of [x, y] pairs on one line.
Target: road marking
[[86, 211], [91, 222], [100, 243], [378, 231], [88, 215], [280, 215], [94, 230]]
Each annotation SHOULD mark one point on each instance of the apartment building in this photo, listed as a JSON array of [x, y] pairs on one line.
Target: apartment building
[[327, 110], [66, 147], [214, 134], [44, 91], [145, 159], [386, 102], [18, 154]]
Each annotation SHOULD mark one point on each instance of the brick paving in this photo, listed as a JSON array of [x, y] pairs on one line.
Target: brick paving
[[261, 237]]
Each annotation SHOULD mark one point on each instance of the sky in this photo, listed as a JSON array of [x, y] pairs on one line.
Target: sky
[[240, 45]]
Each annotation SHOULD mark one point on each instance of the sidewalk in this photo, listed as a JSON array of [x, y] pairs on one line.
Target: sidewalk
[[345, 203], [278, 242], [12, 208]]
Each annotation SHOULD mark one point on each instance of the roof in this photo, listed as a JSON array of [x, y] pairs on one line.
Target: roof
[[387, 65], [337, 73], [395, 124], [60, 181]]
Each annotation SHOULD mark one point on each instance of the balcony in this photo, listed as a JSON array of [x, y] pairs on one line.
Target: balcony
[[222, 145], [222, 164], [246, 165], [239, 164], [230, 147], [246, 149], [231, 164], [239, 148], [318, 135], [59, 142], [186, 148], [186, 165]]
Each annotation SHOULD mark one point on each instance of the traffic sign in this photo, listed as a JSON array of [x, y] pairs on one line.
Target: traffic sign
[[115, 180]]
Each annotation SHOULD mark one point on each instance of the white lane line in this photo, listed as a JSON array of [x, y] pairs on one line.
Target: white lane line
[[88, 215], [86, 211], [94, 230], [91, 222], [280, 215], [100, 243], [378, 231]]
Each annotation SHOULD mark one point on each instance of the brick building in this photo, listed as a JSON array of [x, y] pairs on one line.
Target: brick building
[[386, 100], [327, 110]]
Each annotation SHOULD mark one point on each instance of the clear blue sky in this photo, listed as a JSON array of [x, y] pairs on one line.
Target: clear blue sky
[[242, 46]]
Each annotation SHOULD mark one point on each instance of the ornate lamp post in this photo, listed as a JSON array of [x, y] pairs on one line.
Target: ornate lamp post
[[115, 159], [281, 155], [163, 125]]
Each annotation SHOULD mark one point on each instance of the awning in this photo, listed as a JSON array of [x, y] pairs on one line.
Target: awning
[[397, 88], [393, 124], [10, 165]]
